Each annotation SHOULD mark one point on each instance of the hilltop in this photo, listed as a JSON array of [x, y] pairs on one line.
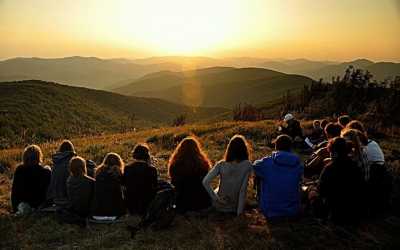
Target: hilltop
[[192, 231], [216, 86], [36, 111]]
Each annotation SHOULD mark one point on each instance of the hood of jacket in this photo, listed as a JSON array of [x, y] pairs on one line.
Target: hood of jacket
[[284, 158], [62, 156]]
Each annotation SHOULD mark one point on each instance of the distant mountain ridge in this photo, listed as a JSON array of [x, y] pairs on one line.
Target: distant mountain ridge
[[89, 72], [216, 86], [109, 74]]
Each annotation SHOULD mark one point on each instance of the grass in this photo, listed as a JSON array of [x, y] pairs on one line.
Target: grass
[[195, 231]]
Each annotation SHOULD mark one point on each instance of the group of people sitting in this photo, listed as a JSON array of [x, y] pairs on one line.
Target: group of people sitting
[[343, 164]]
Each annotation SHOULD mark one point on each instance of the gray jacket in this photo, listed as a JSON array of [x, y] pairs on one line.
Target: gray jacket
[[57, 191]]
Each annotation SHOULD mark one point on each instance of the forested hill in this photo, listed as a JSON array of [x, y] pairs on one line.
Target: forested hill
[[36, 111], [217, 86]]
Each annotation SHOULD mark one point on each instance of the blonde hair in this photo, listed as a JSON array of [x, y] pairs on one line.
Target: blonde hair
[[77, 166], [32, 155], [111, 161]]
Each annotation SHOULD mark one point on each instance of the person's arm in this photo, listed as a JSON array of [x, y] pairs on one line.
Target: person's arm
[[243, 192], [16, 191], [258, 167], [214, 172]]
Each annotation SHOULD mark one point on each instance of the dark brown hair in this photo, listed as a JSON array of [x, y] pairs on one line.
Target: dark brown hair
[[32, 156], [141, 152], [332, 130], [111, 161], [344, 120], [77, 166], [66, 146], [323, 124], [339, 146], [283, 143], [237, 149], [188, 159]]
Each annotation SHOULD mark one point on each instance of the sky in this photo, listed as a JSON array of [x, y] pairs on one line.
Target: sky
[[319, 30]]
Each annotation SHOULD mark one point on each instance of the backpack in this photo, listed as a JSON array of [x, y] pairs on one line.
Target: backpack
[[161, 211]]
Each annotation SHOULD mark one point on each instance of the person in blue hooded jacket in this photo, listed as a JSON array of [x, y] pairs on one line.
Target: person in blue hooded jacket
[[280, 176]]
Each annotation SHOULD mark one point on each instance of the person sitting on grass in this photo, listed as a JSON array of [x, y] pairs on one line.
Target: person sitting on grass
[[187, 167], [80, 188], [292, 128], [30, 181], [379, 183], [315, 164], [234, 173], [339, 193], [140, 179], [280, 176], [109, 201], [57, 192]]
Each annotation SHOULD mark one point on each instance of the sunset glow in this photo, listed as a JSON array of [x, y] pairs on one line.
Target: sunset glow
[[137, 28]]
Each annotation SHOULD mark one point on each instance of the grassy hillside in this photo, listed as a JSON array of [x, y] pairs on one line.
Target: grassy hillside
[[218, 86], [77, 71], [37, 111], [192, 231]]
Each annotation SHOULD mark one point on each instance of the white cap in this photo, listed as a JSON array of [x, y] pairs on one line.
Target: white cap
[[288, 117]]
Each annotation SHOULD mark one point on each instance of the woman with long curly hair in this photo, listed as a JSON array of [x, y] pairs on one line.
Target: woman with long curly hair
[[108, 196], [234, 173], [187, 167]]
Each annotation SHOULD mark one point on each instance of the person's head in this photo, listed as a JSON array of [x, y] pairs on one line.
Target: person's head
[[356, 125], [353, 136], [316, 124], [111, 160], [344, 120], [77, 166], [188, 159], [283, 143], [324, 122], [332, 130], [237, 150], [338, 148], [66, 146], [141, 152], [32, 156], [288, 117]]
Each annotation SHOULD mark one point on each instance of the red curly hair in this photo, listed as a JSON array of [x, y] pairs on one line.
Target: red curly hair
[[188, 159]]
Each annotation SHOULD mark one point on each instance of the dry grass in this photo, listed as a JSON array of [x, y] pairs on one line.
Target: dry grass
[[211, 231]]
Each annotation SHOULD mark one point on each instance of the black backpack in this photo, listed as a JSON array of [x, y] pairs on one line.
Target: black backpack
[[161, 211]]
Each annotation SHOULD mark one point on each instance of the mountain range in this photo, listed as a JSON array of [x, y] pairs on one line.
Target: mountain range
[[216, 86], [99, 73]]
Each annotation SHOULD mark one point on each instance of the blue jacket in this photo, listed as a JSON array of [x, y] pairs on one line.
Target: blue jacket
[[280, 175]]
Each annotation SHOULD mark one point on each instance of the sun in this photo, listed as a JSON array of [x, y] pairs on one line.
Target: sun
[[179, 26]]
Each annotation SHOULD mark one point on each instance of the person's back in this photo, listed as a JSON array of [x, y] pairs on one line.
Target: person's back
[[280, 176], [30, 185], [190, 192], [187, 167], [31, 180], [80, 194], [233, 184], [141, 186], [108, 196], [341, 183]]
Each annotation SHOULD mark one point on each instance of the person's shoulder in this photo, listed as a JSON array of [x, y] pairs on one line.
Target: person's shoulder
[[19, 169], [263, 160]]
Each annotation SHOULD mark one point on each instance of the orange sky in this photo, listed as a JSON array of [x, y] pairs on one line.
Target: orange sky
[[328, 29]]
